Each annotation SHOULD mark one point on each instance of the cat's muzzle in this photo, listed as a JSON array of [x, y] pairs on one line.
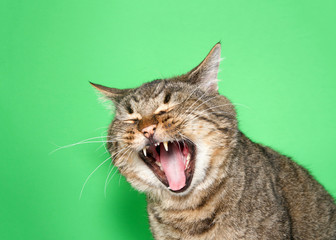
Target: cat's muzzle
[[173, 163]]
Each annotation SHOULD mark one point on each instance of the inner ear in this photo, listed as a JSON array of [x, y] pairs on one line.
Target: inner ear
[[205, 74]]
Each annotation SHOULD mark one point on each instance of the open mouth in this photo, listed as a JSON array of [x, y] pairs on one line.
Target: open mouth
[[173, 163]]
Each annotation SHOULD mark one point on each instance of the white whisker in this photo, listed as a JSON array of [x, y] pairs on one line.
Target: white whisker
[[196, 101], [198, 87], [87, 179], [200, 105], [120, 151], [83, 142], [200, 113]]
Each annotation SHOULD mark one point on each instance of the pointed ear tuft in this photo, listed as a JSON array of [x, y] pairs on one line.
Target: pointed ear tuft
[[113, 94], [205, 74]]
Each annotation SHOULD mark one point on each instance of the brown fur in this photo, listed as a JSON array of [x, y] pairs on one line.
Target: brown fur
[[240, 189]]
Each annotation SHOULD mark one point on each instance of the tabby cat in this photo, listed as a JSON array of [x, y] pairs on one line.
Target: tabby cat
[[177, 140]]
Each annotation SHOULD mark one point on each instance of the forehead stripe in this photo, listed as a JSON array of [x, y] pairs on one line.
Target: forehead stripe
[[135, 99]]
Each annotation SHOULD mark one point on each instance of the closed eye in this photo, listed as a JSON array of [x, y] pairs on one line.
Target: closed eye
[[132, 121], [162, 110]]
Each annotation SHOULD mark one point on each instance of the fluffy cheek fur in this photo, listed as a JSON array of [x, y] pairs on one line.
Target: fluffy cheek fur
[[125, 158], [206, 137], [140, 176]]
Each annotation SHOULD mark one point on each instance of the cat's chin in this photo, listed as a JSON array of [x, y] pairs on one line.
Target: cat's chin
[[173, 163]]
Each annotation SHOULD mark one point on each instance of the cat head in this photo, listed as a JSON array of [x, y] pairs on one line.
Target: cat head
[[171, 135]]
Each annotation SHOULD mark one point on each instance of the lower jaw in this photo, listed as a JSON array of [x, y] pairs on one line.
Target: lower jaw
[[181, 190]]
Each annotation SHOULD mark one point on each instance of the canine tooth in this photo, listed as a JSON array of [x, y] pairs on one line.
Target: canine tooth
[[144, 151], [165, 144]]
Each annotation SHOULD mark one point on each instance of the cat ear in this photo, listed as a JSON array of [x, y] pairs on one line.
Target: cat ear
[[205, 74], [113, 94]]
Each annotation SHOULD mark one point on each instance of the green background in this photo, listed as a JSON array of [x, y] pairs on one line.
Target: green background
[[279, 69]]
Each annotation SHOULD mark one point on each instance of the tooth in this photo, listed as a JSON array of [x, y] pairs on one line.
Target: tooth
[[188, 157], [159, 164], [144, 151], [188, 160], [165, 144]]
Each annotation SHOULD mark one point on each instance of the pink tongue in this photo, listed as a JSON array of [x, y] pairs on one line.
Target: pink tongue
[[173, 165]]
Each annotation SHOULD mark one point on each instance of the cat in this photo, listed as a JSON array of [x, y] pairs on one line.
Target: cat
[[178, 141]]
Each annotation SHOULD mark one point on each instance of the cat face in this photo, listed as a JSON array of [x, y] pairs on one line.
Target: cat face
[[167, 134]]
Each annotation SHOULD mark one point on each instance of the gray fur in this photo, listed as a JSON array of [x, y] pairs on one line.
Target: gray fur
[[240, 189]]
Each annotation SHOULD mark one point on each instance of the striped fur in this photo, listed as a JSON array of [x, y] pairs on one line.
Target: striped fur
[[240, 189]]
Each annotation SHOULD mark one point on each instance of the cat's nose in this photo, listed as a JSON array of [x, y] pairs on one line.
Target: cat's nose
[[149, 131]]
